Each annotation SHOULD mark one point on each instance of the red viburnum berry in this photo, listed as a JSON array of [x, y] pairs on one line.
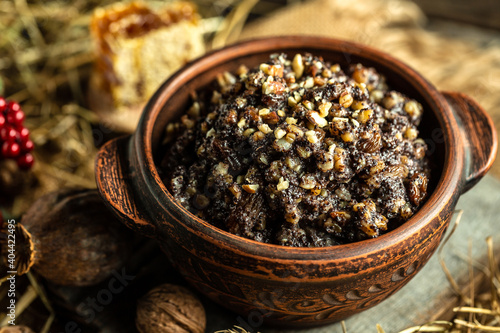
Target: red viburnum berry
[[24, 134], [13, 106], [8, 133], [10, 149], [15, 140], [15, 118], [27, 146], [25, 161], [3, 104]]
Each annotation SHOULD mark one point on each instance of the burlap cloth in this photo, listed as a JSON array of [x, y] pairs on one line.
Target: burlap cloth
[[452, 57]]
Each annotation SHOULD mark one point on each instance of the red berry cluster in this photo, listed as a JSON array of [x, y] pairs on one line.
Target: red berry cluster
[[15, 140]]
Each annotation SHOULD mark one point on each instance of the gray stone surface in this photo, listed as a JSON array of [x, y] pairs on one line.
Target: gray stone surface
[[427, 293]]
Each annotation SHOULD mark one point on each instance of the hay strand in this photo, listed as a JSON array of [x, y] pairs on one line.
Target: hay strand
[[446, 271]]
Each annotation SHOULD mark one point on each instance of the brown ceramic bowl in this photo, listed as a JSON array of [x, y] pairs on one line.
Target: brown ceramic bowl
[[282, 285]]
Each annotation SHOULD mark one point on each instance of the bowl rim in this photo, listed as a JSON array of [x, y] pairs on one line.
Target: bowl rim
[[450, 175]]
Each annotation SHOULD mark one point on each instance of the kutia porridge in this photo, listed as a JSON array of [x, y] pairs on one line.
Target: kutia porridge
[[299, 152]]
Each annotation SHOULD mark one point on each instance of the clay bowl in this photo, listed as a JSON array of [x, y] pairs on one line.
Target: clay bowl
[[295, 286]]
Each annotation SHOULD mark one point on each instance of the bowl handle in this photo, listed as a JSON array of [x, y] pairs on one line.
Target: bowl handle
[[479, 136], [114, 183]]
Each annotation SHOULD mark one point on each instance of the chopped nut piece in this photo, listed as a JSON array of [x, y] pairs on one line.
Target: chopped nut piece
[[335, 68], [327, 163], [188, 123], [311, 136], [292, 216], [376, 96], [263, 112], [308, 104], [326, 73], [235, 190], [324, 109], [212, 115], [377, 168], [210, 133], [257, 136], [263, 159], [298, 65], [221, 169], [319, 81], [331, 148], [282, 145], [276, 70], [229, 78], [242, 122], [264, 128], [283, 184], [279, 133], [265, 68], [296, 130], [216, 97], [413, 108], [248, 132], [365, 115], [411, 133], [293, 163], [268, 88], [252, 188], [290, 137], [194, 110], [303, 152], [392, 100], [308, 182], [242, 70], [358, 105], [309, 83], [347, 137], [360, 74], [315, 118], [346, 100], [290, 120]]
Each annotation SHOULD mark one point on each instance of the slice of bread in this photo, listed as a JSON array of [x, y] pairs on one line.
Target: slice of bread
[[137, 49]]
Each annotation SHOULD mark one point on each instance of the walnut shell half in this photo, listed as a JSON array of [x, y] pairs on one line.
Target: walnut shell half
[[170, 308]]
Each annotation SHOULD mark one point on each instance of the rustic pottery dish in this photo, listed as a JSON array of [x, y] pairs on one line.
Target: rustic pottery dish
[[295, 286]]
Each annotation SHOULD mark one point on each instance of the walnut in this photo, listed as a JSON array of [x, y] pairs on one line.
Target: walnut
[[70, 238], [171, 309]]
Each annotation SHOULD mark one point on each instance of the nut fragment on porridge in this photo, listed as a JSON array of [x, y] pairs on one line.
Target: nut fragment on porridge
[[299, 152]]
